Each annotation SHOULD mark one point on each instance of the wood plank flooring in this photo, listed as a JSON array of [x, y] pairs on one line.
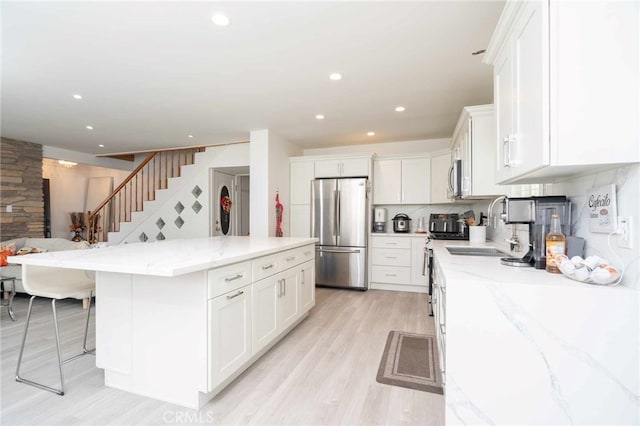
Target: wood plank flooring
[[322, 373]]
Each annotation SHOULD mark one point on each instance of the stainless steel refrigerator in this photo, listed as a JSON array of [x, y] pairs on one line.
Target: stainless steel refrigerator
[[339, 219]]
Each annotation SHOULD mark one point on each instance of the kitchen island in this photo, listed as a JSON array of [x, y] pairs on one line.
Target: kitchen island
[[523, 346], [178, 320]]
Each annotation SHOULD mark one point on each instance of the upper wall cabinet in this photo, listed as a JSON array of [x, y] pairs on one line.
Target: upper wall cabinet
[[347, 167], [565, 88], [474, 136], [440, 163], [402, 181]]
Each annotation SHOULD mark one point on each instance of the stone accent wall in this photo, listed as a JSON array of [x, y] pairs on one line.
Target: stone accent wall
[[21, 187]]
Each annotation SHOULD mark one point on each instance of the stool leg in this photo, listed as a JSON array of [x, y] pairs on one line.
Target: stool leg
[[55, 326], [24, 338], [86, 328]]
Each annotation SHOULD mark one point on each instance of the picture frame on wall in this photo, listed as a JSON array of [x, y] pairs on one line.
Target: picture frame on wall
[[602, 207]]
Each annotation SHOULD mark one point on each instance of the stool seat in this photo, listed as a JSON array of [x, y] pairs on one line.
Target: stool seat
[[55, 283]]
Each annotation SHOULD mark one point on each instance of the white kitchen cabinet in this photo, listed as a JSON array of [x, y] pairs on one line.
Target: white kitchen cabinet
[[229, 334], [397, 263], [475, 135], [288, 302], [266, 294], [440, 164], [300, 220], [307, 291], [418, 259], [561, 110], [301, 174], [277, 299], [345, 167], [402, 181]]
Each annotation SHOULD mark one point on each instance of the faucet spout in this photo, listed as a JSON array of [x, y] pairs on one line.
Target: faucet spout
[[490, 215]]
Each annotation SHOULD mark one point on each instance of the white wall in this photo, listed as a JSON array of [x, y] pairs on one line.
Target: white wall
[[68, 188], [269, 174], [387, 148]]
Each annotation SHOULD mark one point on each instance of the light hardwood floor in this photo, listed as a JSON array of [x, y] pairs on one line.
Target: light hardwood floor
[[323, 372]]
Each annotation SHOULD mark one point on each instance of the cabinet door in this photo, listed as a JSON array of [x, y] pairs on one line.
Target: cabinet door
[[531, 88], [387, 175], [503, 97], [416, 185], [266, 293], [327, 168], [418, 266], [354, 167], [439, 178], [307, 291], [300, 220], [229, 334], [288, 302], [301, 174]]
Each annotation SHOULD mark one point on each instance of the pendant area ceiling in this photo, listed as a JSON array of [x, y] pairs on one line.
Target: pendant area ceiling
[[161, 74]]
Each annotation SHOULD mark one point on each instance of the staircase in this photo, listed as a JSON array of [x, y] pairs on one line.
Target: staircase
[[151, 175]]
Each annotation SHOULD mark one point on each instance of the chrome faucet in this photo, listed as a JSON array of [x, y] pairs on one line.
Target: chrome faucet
[[490, 217]]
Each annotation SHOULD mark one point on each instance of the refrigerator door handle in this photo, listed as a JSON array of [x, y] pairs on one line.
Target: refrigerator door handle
[[335, 213], [338, 216], [324, 250]]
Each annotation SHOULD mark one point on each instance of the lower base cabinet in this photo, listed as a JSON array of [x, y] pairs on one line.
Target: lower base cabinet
[[229, 333]]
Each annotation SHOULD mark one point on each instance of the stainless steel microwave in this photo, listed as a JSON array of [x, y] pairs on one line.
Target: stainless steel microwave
[[455, 179]]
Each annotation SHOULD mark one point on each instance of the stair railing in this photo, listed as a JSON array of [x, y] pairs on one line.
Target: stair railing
[[151, 174]]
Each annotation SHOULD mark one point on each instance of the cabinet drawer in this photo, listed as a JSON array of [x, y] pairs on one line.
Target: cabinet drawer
[[390, 274], [228, 278], [391, 242], [265, 266], [391, 257], [294, 257]]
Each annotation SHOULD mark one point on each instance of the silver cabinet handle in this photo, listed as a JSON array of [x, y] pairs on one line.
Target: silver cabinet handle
[[424, 263], [391, 244], [279, 288], [390, 257], [506, 150], [235, 295], [237, 277], [442, 329], [269, 266], [289, 259], [284, 287], [302, 279], [389, 275]]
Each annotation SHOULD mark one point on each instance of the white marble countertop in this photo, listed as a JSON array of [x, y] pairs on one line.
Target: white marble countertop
[[524, 346], [165, 258]]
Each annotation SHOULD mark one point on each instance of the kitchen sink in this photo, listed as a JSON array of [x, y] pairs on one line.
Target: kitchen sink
[[477, 251]]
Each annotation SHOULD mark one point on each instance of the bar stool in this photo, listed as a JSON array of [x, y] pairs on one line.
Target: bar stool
[[55, 284]]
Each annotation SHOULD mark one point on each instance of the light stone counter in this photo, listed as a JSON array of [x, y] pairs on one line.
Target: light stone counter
[[527, 347], [165, 258]]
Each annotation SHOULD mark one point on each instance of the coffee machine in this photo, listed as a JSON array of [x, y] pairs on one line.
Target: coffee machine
[[379, 219], [536, 213]]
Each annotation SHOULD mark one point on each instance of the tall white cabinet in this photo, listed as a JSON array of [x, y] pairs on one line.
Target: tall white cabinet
[[302, 170], [565, 88]]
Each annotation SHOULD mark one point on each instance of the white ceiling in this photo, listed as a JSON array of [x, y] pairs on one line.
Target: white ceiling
[[151, 73]]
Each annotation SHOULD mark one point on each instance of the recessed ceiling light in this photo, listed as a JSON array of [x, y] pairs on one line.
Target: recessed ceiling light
[[335, 76], [101, 145], [76, 96], [400, 109], [371, 133], [319, 117], [220, 19], [89, 127], [190, 136]]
